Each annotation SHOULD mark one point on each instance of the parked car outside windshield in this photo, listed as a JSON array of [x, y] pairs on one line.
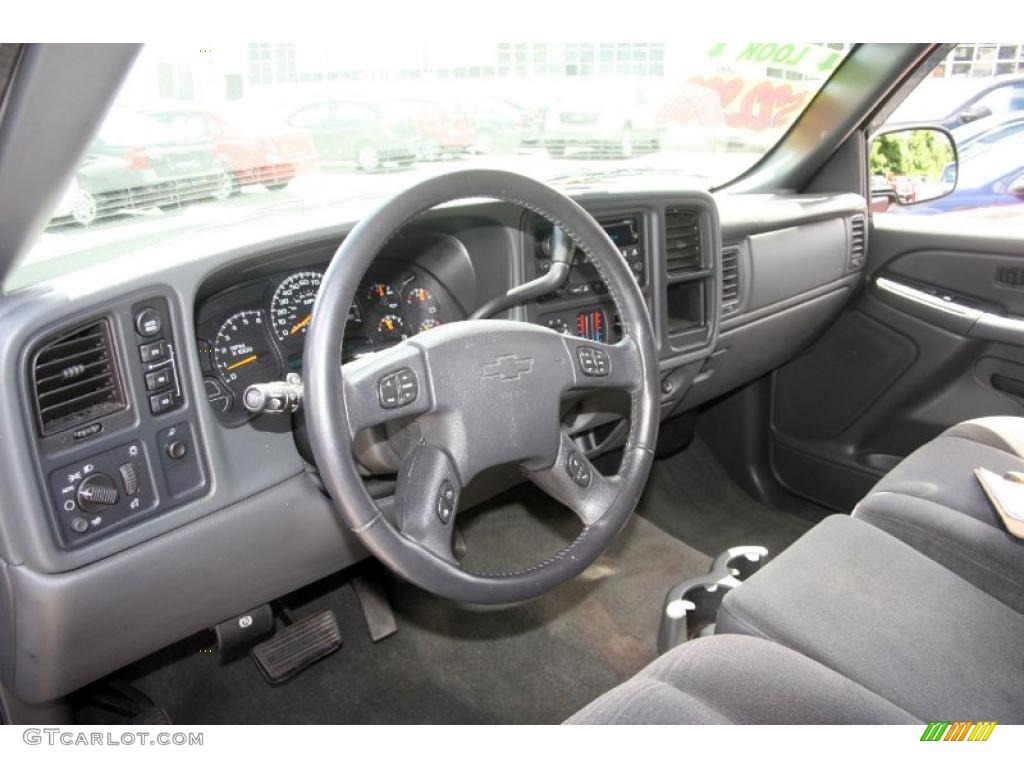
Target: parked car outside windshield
[[331, 132]]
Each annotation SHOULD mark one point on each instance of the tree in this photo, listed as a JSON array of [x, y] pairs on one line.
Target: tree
[[887, 156], [917, 153]]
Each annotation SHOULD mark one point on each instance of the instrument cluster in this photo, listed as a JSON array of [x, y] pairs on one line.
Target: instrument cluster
[[255, 332]]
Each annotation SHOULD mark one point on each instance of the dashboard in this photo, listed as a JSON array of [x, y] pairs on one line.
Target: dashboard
[[255, 332], [196, 510]]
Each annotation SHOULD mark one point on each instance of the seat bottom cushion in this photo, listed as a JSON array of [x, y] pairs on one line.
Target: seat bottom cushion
[[933, 502], [985, 555], [736, 679], [875, 610]]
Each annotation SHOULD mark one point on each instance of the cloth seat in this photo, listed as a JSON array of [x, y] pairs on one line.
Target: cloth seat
[[933, 502], [869, 606], [736, 679]]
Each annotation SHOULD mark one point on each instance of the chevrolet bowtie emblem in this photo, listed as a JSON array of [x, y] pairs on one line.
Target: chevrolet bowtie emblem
[[508, 367]]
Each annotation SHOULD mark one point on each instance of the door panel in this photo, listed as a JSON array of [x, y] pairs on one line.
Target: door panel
[[936, 337]]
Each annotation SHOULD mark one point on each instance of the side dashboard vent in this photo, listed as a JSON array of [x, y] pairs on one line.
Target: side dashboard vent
[[858, 242], [75, 379], [730, 280], [682, 241]]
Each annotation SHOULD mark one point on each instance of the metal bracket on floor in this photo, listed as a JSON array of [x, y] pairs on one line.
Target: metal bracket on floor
[[691, 607]]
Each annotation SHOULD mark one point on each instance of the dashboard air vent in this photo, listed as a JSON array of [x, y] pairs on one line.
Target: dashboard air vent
[[682, 241], [857, 242], [75, 378], [730, 280]]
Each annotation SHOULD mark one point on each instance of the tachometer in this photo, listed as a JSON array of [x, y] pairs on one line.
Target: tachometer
[[291, 309], [242, 353]]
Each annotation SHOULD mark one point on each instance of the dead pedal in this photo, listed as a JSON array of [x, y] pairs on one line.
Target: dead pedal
[[297, 647]]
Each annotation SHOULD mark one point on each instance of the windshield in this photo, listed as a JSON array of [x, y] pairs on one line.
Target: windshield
[[230, 135]]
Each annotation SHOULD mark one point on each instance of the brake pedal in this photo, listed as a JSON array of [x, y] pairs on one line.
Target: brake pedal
[[297, 647]]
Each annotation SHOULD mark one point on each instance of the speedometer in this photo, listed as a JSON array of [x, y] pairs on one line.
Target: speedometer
[[291, 309]]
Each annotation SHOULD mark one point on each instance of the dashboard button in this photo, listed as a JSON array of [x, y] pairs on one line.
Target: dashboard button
[[151, 353], [158, 379], [88, 431], [96, 492], [129, 480], [177, 450], [164, 401], [148, 322]]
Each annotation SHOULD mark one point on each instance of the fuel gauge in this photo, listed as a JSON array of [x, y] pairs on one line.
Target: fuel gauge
[[392, 328]]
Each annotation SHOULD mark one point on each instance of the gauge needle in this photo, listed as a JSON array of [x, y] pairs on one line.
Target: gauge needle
[[300, 325], [243, 361]]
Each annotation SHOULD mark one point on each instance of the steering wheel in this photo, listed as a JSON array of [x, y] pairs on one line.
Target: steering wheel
[[477, 394]]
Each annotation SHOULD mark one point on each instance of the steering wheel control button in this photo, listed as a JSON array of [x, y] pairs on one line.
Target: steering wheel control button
[[148, 322], [387, 388], [153, 353], [158, 379], [408, 387], [398, 388], [594, 361], [446, 502], [578, 469]]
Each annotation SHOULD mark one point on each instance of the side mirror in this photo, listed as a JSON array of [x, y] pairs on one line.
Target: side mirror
[[972, 113], [912, 165]]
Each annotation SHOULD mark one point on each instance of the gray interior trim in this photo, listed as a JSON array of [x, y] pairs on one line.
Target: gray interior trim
[[75, 627]]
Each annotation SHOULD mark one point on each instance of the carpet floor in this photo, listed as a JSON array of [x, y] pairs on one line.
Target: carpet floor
[[536, 662]]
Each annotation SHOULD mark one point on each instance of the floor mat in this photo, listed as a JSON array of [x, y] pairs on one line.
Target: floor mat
[[691, 496], [532, 663]]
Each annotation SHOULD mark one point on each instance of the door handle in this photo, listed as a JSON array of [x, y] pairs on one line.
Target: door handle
[[953, 315], [1003, 328], [1008, 384]]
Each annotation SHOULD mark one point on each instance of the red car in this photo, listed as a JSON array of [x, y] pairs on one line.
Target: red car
[[443, 128], [271, 158]]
